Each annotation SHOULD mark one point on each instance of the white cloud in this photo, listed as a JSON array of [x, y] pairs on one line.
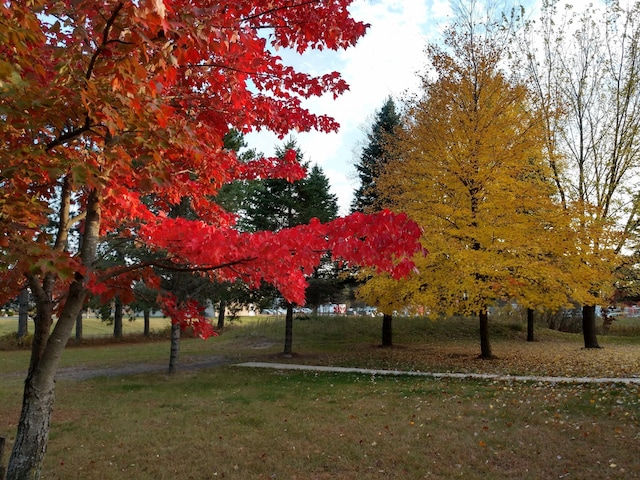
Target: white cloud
[[386, 61]]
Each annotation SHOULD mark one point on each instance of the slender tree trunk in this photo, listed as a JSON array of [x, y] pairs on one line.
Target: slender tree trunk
[[147, 314], [2, 445], [485, 344], [117, 317], [221, 314], [288, 330], [387, 331], [174, 354], [79, 326], [530, 325], [589, 326], [23, 313]]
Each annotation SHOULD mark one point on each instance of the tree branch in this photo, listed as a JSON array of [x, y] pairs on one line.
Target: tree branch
[[105, 40], [175, 267], [87, 126], [276, 9]]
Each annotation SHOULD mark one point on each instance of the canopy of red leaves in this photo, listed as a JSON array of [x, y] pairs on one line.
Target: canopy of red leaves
[[130, 101]]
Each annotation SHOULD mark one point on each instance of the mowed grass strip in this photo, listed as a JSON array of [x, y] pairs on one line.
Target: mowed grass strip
[[232, 422], [94, 327]]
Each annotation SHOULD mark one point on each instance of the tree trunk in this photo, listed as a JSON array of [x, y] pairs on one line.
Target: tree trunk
[[288, 330], [221, 314], [530, 329], [31, 444], [147, 314], [2, 444], [589, 326], [37, 402], [79, 326], [174, 354], [23, 313], [117, 317], [485, 344], [387, 332], [32, 435]]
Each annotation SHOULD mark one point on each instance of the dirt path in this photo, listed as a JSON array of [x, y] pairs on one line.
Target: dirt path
[[87, 372], [185, 364]]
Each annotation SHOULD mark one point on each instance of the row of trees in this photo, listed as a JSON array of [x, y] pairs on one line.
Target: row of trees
[[518, 160]]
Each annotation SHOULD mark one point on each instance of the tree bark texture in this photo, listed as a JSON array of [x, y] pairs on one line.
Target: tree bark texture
[[485, 344], [387, 330], [530, 325], [174, 354], [147, 321], [23, 313], [288, 331], [2, 469], [221, 314], [117, 317], [589, 326], [37, 402], [79, 327]]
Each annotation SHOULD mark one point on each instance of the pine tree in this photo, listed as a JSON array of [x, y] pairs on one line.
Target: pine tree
[[316, 200], [374, 157], [276, 204]]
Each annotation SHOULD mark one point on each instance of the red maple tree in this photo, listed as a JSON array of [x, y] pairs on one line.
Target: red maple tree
[[112, 112]]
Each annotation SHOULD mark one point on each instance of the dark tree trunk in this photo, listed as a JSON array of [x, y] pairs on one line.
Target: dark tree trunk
[[174, 354], [79, 326], [485, 344], [530, 326], [221, 314], [2, 444], [589, 326], [23, 313], [117, 317], [387, 330], [288, 330], [147, 314]]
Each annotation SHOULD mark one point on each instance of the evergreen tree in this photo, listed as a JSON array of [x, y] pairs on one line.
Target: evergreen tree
[[276, 204], [316, 201], [367, 197], [374, 157]]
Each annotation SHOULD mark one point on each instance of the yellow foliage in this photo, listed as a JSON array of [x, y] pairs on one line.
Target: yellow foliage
[[471, 171]]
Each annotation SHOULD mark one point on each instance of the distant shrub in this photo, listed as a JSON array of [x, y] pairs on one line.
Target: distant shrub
[[11, 341], [568, 321]]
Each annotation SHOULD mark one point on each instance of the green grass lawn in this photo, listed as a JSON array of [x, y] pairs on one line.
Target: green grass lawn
[[92, 326], [234, 422]]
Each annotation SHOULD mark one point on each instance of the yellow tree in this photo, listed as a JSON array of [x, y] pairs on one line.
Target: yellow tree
[[471, 172]]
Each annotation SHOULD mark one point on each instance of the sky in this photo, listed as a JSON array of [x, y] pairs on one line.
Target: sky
[[386, 62]]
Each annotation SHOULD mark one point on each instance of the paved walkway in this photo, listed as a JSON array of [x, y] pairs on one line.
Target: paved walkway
[[482, 376]]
